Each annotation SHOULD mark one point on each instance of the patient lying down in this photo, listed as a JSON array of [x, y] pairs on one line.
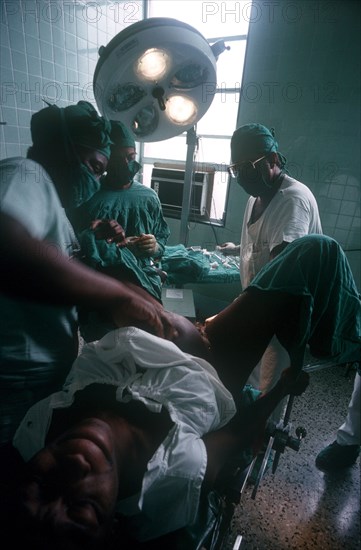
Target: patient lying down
[[140, 428], [144, 426]]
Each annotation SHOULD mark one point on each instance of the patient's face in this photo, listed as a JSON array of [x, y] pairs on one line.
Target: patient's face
[[73, 482]]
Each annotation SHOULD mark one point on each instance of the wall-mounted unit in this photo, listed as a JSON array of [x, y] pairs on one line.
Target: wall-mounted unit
[[168, 181]]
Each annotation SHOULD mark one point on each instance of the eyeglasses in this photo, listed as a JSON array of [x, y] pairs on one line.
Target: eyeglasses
[[243, 167]]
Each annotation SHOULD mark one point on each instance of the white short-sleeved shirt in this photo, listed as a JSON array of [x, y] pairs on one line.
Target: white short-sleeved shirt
[[291, 214], [156, 372], [32, 333]]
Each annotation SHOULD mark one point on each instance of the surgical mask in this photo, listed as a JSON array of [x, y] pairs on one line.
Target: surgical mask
[[82, 184], [257, 185], [122, 175], [128, 172], [239, 180], [250, 182]]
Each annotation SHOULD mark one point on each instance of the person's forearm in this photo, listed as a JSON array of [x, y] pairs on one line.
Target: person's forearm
[[36, 270]]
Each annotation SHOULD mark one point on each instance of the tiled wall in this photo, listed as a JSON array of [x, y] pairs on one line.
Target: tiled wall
[[302, 77], [49, 50]]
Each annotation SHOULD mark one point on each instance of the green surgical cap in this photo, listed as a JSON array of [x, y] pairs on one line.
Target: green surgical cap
[[80, 123], [120, 135], [253, 140]]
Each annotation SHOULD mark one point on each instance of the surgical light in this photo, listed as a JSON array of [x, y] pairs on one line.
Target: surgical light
[[158, 76]]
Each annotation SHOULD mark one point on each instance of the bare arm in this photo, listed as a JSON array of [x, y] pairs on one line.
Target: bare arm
[[35, 270]]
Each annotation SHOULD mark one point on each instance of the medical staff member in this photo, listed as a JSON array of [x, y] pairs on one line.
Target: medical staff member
[[279, 210], [41, 281], [136, 208]]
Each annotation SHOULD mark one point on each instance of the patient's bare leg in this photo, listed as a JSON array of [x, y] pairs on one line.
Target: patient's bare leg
[[240, 333], [236, 338]]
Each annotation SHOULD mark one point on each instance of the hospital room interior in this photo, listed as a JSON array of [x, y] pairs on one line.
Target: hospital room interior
[[293, 67]]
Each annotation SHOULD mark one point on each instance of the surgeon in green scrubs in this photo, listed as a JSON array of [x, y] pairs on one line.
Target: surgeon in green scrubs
[[42, 279], [136, 208]]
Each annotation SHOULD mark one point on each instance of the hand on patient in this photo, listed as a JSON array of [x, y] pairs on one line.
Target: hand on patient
[[143, 312], [229, 249]]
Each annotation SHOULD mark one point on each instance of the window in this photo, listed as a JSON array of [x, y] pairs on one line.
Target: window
[[216, 21]]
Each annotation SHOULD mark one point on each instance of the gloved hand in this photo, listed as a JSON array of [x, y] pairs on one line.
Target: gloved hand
[[144, 246], [229, 249]]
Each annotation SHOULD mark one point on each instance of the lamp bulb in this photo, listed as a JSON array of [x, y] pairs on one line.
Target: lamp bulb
[[181, 109], [153, 64]]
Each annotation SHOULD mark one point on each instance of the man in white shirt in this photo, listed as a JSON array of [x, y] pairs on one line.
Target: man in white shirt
[[279, 210]]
